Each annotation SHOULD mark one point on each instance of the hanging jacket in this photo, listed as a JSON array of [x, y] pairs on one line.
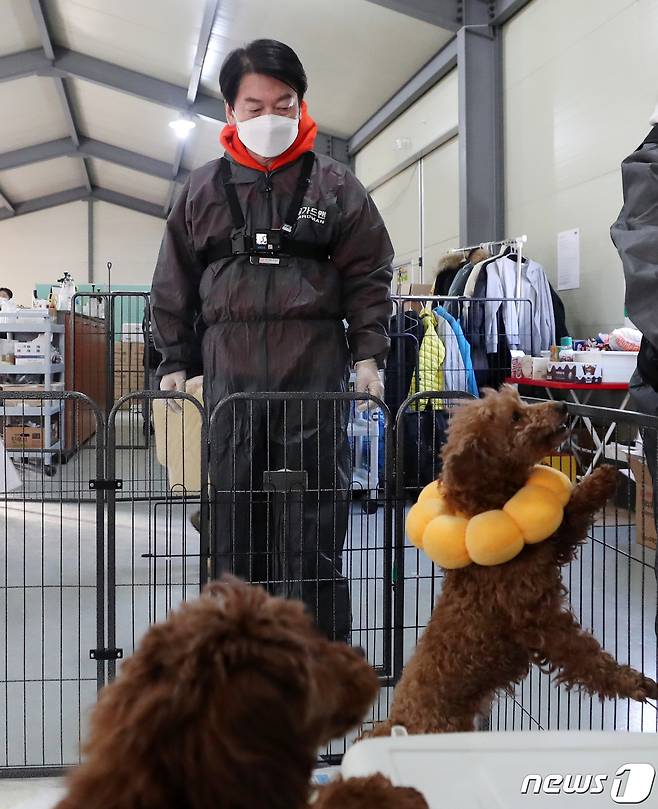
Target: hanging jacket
[[406, 335], [635, 235], [561, 328], [431, 358], [469, 383], [454, 370], [529, 326]]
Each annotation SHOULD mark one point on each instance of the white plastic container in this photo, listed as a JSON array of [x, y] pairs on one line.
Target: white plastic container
[[515, 770], [617, 366]]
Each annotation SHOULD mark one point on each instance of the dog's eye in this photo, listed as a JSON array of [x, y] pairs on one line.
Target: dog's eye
[[516, 416]]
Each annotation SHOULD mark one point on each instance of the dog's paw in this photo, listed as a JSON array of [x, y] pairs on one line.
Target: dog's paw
[[647, 689], [599, 486]]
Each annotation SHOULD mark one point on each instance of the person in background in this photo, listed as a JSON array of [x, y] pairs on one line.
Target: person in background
[[6, 294], [276, 247], [635, 234]]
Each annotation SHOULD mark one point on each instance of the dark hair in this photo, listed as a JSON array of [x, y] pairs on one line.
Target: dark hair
[[8, 291], [266, 56]]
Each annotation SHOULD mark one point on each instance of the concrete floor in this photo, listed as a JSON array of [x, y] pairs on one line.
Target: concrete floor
[[30, 793], [48, 605]]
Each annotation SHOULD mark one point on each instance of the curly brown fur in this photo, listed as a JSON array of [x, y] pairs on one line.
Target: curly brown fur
[[223, 705], [491, 623], [368, 793]]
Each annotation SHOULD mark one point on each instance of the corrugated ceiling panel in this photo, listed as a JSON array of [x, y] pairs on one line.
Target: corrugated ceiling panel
[[40, 179], [123, 120], [31, 112], [127, 181], [373, 51], [155, 37], [17, 29]]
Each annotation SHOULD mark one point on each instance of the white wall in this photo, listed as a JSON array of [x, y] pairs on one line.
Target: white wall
[[413, 133], [581, 80], [403, 159], [38, 247], [130, 240]]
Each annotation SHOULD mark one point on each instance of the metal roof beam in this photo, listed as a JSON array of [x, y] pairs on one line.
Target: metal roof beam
[[48, 201], [443, 13], [6, 205], [22, 64], [81, 66], [77, 65], [88, 147], [441, 64], [506, 9], [209, 14], [63, 147], [125, 201], [42, 27], [46, 43], [81, 193], [128, 159]]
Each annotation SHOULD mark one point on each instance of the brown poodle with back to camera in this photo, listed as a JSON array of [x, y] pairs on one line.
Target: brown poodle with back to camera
[[491, 623], [225, 704]]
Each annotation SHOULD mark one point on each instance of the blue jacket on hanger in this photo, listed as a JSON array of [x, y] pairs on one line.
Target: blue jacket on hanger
[[464, 348]]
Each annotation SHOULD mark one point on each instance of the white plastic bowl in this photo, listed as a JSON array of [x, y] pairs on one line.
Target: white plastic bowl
[[617, 366]]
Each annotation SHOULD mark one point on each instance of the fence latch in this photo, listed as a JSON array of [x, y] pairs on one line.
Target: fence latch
[[101, 485], [106, 654]]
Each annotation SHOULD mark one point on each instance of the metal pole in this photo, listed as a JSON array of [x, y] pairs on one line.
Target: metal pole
[[90, 241], [481, 152]]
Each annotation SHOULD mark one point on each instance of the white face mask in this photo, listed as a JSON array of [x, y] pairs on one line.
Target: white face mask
[[268, 135]]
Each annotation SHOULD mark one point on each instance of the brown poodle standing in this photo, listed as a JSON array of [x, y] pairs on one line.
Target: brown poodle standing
[[491, 623], [225, 705]]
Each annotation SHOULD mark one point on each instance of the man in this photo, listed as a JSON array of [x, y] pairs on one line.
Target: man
[[276, 247], [635, 234]]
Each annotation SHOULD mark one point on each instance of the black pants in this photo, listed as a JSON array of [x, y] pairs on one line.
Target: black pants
[[645, 400], [289, 538]]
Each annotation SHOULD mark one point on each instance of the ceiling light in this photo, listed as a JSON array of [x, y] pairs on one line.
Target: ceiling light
[[182, 127]]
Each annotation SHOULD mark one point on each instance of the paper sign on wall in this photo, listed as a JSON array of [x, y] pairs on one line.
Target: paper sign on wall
[[568, 259]]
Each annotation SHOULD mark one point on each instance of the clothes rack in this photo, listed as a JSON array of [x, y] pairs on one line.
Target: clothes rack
[[517, 241]]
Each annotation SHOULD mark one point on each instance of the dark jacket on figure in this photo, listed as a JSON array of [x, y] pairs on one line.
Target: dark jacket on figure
[[273, 327], [635, 234]]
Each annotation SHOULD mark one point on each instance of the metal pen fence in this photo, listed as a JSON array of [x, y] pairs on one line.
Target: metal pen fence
[[108, 545], [52, 589], [611, 583]]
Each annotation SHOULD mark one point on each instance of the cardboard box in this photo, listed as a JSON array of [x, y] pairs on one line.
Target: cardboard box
[[25, 437], [418, 289], [128, 356], [32, 351], [574, 372], [645, 523], [132, 333]]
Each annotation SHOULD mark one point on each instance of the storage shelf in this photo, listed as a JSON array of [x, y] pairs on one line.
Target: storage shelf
[[51, 408], [36, 369], [31, 327]]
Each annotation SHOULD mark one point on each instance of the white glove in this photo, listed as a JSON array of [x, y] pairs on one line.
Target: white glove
[[174, 382], [368, 380]]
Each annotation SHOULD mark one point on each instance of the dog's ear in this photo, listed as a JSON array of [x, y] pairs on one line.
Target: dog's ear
[[345, 686]]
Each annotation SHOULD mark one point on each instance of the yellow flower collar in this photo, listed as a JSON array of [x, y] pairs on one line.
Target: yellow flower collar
[[493, 537]]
